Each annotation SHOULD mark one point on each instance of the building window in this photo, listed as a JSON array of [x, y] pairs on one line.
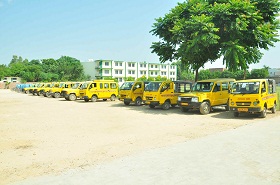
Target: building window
[[116, 63], [106, 64], [116, 71], [120, 80], [155, 73], [155, 66], [131, 72], [152, 66], [152, 73], [106, 72]]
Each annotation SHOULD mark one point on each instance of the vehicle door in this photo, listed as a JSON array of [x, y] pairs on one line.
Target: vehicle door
[[224, 93], [271, 93], [106, 93], [138, 90], [167, 92], [216, 96], [92, 89]]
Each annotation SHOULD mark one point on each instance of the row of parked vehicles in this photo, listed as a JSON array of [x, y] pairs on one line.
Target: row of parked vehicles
[[254, 96]]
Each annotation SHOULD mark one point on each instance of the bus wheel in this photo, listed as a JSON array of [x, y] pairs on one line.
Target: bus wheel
[[138, 101], [263, 113], [205, 108], [126, 102], [166, 105], [56, 95], [113, 98], [236, 114], [273, 110], [72, 97], [94, 98]]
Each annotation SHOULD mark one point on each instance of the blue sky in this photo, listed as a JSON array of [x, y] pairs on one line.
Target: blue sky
[[87, 29]]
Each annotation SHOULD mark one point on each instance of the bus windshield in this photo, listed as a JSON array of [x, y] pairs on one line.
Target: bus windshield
[[246, 88], [126, 86], [153, 86]]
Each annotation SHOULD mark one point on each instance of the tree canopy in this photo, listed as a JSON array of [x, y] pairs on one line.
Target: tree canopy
[[198, 31], [63, 69]]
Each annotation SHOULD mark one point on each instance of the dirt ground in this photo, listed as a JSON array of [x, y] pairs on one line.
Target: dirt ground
[[41, 135]]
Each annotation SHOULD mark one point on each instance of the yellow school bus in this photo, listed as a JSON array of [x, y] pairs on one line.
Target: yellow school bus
[[99, 89], [254, 96], [165, 93], [132, 92]]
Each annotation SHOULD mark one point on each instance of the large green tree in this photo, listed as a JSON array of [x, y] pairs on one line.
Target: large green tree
[[199, 31]]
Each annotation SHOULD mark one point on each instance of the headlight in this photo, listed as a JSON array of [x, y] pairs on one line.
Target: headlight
[[179, 98], [195, 99], [255, 103], [155, 98]]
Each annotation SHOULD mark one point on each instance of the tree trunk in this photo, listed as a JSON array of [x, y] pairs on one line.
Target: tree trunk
[[196, 75], [244, 76]]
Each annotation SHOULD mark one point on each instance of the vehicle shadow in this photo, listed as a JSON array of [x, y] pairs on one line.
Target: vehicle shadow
[[146, 109], [223, 114]]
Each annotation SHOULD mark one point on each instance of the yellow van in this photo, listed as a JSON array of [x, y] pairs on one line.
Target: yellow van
[[254, 96], [99, 89], [55, 92], [164, 93], [206, 94], [132, 92], [73, 93]]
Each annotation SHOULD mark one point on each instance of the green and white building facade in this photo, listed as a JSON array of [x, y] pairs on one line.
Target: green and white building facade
[[120, 69]]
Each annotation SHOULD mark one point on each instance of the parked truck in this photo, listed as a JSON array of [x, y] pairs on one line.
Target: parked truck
[[132, 92], [165, 93], [254, 96], [207, 94]]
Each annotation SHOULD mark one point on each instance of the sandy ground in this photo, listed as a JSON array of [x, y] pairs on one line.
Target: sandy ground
[[40, 136]]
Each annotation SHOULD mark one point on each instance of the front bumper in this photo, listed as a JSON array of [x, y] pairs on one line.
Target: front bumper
[[246, 109], [154, 103], [189, 105]]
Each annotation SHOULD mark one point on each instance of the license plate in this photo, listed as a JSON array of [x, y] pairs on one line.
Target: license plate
[[243, 109], [184, 104]]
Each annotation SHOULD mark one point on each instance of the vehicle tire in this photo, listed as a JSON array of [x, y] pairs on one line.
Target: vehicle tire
[[56, 95], [273, 109], [126, 102], [236, 114], [113, 98], [94, 98], [184, 109], [205, 108], [104, 99], [48, 94], [72, 97], [263, 113], [152, 106], [86, 100], [227, 106], [166, 105], [67, 99], [138, 101]]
